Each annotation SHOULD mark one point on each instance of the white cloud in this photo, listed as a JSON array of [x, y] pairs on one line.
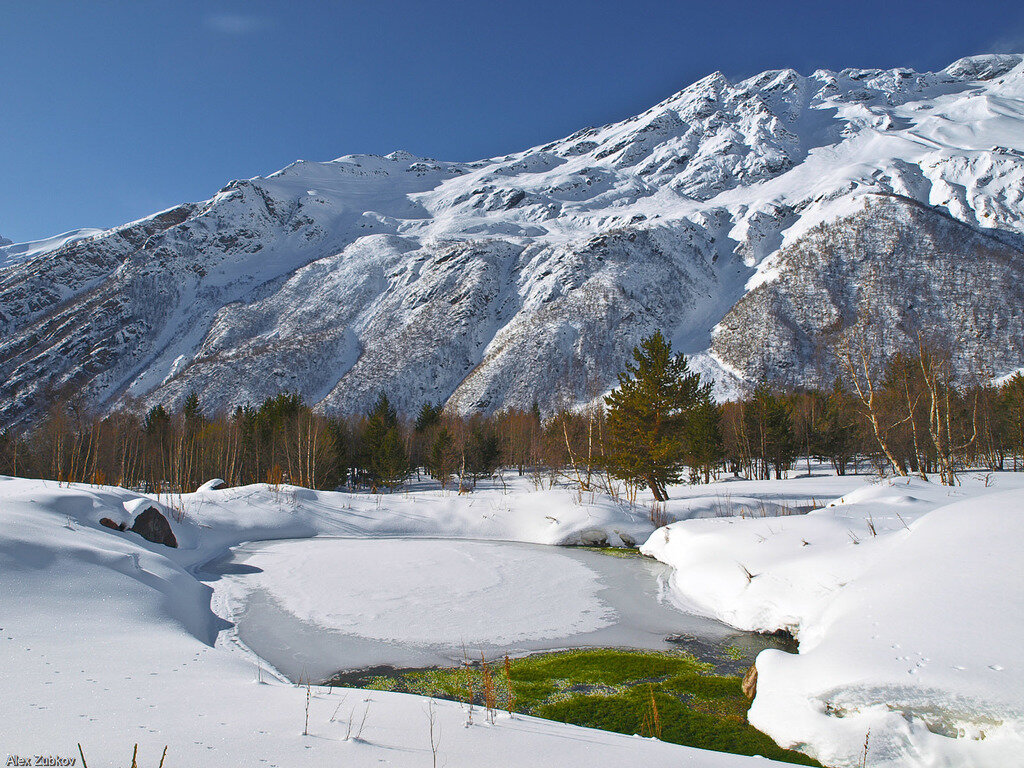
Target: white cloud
[[235, 23]]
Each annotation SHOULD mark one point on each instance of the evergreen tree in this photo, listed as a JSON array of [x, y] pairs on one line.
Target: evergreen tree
[[430, 414], [342, 440], [442, 458], [157, 422], [482, 451], [1012, 400], [385, 459], [191, 410], [647, 415], [837, 436], [770, 425], [705, 447]]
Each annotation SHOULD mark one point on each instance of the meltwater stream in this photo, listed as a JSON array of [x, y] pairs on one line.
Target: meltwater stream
[[314, 607]]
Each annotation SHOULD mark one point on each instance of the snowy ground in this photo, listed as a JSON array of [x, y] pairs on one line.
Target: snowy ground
[[906, 597], [108, 640], [911, 631]]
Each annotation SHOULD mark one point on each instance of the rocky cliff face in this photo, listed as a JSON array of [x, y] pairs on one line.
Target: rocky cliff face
[[732, 216], [893, 273]]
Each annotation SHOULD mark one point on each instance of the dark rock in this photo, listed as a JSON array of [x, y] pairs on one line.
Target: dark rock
[[106, 521], [153, 526], [594, 537], [749, 684]]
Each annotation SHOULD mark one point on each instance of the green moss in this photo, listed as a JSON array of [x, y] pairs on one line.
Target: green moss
[[612, 690], [624, 552], [734, 653]]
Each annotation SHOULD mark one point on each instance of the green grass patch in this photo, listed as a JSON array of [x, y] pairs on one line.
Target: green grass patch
[[670, 695], [623, 552]]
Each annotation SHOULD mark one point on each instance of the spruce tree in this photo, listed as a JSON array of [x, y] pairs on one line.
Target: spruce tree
[[647, 416]]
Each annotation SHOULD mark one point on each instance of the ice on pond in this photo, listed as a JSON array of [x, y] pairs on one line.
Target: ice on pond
[[313, 607]]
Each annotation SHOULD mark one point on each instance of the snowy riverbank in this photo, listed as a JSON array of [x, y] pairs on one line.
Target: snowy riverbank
[[907, 600]]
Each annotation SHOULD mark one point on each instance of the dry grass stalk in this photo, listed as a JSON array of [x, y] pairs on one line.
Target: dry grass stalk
[[305, 729], [435, 741], [746, 572], [490, 693], [510, 696], [362, 723], [469, 687], [659, 515], [651, 723]]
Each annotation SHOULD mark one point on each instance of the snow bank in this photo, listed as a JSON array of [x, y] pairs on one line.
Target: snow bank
[[906, 599]]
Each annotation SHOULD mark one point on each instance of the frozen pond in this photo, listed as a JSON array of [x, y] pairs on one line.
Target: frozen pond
[[313, 607]]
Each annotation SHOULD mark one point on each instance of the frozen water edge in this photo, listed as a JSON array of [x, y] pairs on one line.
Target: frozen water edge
[[317, 606]]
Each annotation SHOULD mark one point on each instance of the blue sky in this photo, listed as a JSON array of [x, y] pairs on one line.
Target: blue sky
[[113, 110]]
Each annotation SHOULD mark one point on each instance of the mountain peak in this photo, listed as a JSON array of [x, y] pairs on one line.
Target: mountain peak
[[986, 66]]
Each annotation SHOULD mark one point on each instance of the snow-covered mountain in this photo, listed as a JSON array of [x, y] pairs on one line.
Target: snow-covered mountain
[[745, 219]]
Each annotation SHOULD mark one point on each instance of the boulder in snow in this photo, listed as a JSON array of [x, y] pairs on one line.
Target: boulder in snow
[[153, 526]]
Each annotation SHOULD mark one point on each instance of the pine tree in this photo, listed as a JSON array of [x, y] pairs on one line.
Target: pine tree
[[647, 415]]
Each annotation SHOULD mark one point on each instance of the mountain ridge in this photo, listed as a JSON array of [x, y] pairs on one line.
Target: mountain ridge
[[526, 277]]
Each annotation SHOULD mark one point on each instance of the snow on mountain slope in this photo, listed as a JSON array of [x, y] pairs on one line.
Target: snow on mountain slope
[[529, 277], [11, 253]]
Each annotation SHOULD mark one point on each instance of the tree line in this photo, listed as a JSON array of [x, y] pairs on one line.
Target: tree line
[[658, 427]]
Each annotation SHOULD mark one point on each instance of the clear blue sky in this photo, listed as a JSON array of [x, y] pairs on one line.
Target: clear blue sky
[[113, 110]]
